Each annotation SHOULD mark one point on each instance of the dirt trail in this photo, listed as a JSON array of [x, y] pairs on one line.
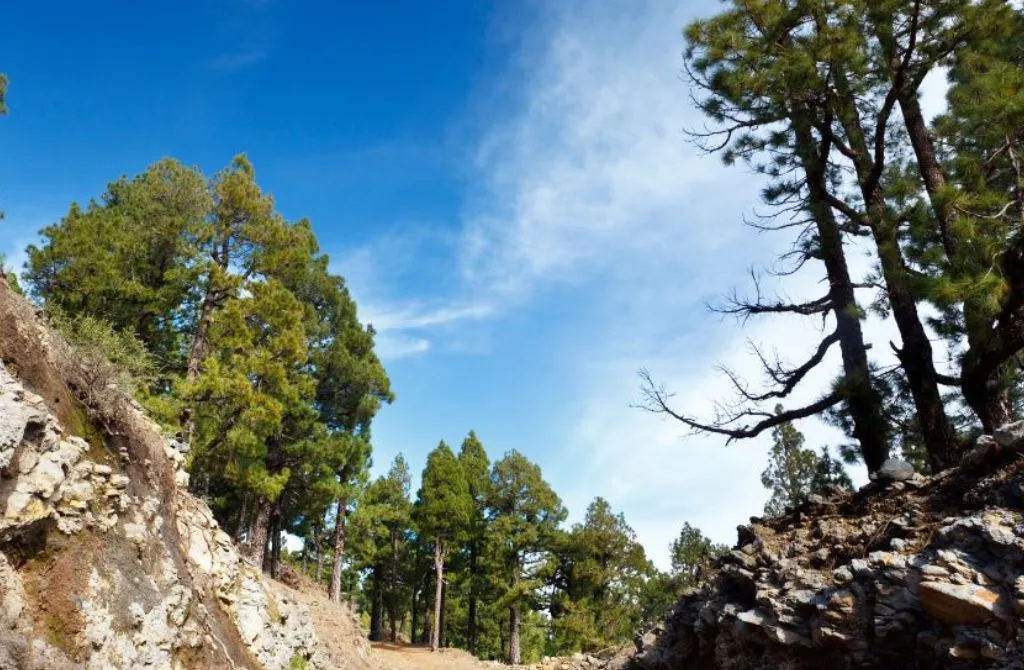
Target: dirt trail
[[406, 657]]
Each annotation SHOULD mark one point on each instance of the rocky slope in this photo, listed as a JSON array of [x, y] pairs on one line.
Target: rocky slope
[[105, 560], [907, 573]]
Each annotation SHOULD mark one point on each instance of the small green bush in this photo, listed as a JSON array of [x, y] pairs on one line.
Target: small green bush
[[107, 359]]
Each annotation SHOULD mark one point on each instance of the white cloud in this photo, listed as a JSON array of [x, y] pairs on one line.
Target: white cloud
[[415, 316], [592, 185], [392, 346]]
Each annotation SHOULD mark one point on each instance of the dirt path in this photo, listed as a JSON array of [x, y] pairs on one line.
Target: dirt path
[[404, 657]]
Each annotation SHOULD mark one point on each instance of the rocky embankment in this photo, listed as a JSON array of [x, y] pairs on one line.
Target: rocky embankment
[[910, 572], [105, 560]]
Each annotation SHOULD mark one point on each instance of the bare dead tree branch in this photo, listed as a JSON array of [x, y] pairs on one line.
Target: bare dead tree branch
[[656, 400]]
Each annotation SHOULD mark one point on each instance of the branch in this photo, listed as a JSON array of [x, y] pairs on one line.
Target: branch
[[747, 308], [788, 379], [656, 400]]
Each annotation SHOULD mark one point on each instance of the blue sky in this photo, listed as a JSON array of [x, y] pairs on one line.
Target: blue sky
[[506, 186]]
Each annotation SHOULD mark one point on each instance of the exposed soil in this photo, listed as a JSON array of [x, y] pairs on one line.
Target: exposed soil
[[417, 657]]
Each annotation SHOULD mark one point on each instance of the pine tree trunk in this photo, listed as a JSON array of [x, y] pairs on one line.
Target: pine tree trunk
[[443, 628], [415, 607], [393, 586], [334, 593], [989, 402], [198, 349], [376, 607], [427, 630], [501, 637], [319, 574], [862, 399], [275, 543], [471, 617], [242, 514], [435, 634], [195, 359], [916, 353], [256, 538], [513, 636]]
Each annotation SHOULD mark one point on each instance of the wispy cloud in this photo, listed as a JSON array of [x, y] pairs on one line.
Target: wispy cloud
[[592, 185], [415, 316], [229, 63]]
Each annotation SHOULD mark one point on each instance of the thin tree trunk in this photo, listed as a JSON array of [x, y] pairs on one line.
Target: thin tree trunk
[[242, 514], [862, 399], [916, 354], [376, 607], [502, 647], [334, 593], [513, 636], [318, 546], [992, 403], [393, 586], [275, 543], [414, 606], [427, 630], [444, 615], [471, 617], [435, 636], [256, 538], [195, 359]]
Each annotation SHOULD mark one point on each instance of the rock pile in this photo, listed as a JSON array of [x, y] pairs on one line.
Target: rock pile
[[910, 572]]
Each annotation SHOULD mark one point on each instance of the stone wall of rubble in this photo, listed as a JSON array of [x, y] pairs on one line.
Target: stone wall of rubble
[[909, 572]]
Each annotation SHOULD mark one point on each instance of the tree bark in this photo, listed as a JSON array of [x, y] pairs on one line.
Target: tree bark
[[319, 547], [275, 542], [256, 538], [393, 586], [414, 605], [513, 636], [376, 607], [242, 514], [443, 628], [990, 403], [334, 593], [862, 399], [471, 616], [916, 353], [435, 636], [427, 630]]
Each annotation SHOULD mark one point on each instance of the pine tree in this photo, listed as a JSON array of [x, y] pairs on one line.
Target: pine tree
[[476, 468], [600, 575], [129, 259], [690, 554], [263, 361], [794, 472], [443, 512], [525, 514]]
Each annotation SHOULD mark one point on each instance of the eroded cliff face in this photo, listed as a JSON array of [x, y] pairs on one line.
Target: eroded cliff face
[[106, 561], [911, 573]]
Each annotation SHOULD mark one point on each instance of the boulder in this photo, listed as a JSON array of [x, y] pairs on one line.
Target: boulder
[[959, 604], [895, 470]]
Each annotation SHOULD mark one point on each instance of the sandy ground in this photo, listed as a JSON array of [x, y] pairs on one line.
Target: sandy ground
[[338, 629], [405, 657]]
